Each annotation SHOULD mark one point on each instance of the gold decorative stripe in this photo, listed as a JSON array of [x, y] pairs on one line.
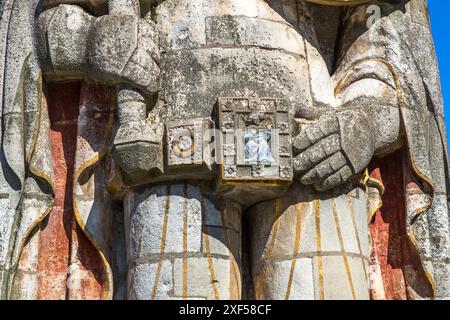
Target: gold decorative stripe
[[377, 184], [373, 182], [319, 248], [427, 274], [374, 209], [276, 225], [232, 258], [185, 243], [298, 230], [344, 256], [108, 294], [38, 173], [163, 243], [352, 214], [24, 241], [208, 251]]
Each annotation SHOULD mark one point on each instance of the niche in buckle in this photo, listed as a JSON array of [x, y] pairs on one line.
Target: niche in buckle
[[255, 141]]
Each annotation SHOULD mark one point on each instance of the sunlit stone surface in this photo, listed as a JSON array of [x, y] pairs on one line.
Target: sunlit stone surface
[[221, 149]]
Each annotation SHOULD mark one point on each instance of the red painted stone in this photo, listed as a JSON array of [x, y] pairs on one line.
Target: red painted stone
[[402, 273], [56, 231], [69, 266]]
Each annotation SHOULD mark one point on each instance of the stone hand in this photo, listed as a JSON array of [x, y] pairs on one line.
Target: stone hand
[[137, 145], [137, 149], [334, 149], [112, 49]]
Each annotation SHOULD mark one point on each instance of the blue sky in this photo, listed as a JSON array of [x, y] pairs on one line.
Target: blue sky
[[440, 16]]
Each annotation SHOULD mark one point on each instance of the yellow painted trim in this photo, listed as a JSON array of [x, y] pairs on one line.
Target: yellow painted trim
[[372, 182], [344, 255], [26, 236], [298, 229], [37, 173], [319, 247], [109, 279], [427, 274], [108, 295], [374, 210], [184, 153], [163, 243], [358, 240], [276, 225], [33, 170]]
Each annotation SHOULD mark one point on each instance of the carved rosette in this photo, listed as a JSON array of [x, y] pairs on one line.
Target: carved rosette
[[188, 142]]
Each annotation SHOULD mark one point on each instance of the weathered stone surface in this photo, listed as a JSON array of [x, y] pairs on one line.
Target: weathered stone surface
[[313, 230], [64, 34], [143, 278], [96, 6], [168, 225], [113, 48], [340, 283], [200, 282], [244, 155], [287, 280]]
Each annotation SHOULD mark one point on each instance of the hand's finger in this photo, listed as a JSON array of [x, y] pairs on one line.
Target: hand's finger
[[324, 169], [315, 133], [335, 179], [316, 154]]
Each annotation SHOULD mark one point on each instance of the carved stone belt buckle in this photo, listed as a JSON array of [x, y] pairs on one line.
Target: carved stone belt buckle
[[254, 141]]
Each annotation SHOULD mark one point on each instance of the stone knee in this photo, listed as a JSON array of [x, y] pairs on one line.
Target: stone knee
[[181, 245], [303, 247]]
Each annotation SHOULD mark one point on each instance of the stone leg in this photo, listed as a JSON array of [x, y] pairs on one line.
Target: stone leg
[[182, 245], [305, 246]]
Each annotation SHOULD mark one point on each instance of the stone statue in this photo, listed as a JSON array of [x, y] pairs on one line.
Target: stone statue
[[221, 149]]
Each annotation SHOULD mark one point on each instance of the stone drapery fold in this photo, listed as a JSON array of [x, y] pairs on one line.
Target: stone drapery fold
[[391, 43], [27, 171]]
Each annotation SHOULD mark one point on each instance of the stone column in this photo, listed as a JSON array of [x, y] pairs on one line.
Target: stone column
[[182, 244], [309, 247]]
